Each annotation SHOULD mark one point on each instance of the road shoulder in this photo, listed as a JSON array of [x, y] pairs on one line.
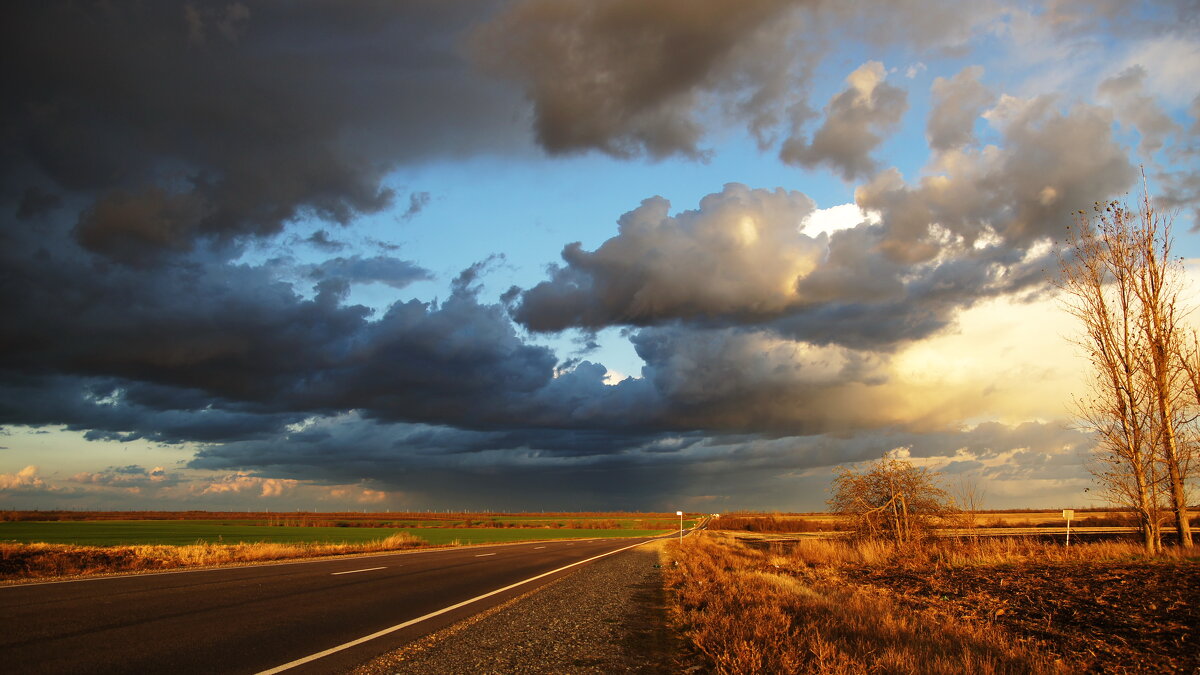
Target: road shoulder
[[606, 617]]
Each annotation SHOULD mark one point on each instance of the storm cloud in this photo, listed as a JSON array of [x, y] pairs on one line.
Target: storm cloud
[[626, 77], [182, 122]]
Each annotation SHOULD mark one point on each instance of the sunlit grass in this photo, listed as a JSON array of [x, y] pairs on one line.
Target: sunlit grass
[[787, 611], [39, 560], [186, 532]]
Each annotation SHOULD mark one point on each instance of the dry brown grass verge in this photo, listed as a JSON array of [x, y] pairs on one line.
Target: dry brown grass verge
[[748, 611], [37, 561], [1102, 607]]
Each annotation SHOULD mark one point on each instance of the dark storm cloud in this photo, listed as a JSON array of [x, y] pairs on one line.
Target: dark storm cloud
[[182, 121], [532, 471], [630, 77], [386, 270], [443, 466], [212, 351], [35, 202], [112, 409], [321, 240]]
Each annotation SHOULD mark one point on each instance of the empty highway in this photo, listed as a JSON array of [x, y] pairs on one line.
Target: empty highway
[[295, 617]]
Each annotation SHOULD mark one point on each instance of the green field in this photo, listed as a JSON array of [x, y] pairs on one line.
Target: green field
[[181, 532]]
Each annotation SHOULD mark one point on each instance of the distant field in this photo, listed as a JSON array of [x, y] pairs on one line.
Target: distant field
[[183, 532]]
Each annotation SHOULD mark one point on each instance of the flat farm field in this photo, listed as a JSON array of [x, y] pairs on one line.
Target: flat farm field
[[187, 532]]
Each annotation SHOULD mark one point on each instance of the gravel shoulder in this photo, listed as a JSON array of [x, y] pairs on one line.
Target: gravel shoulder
[[606, 617]]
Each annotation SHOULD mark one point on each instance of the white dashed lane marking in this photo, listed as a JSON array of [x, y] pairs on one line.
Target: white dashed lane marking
[[369, 569]]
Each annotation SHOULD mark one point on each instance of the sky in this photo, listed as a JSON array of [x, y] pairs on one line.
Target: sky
[[562, 254]]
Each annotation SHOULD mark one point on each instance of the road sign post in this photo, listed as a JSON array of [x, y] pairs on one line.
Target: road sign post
[[1068, 514], [680, 514]]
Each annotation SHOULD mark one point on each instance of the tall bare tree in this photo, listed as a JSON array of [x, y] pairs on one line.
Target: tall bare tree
[[1123, 285], [1099, 293], [1157, 285]]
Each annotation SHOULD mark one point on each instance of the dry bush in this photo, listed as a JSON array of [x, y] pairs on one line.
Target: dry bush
[[27, 561], [746, 612]]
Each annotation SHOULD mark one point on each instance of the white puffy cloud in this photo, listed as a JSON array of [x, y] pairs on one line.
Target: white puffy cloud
[[243, 482], [26, 479]]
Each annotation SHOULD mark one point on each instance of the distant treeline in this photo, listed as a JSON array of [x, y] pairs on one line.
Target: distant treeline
[[1108, 519], [771, 523], [573, 524], [584, 520]]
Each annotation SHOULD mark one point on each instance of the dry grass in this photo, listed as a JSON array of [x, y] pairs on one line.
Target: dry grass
[[951, 553], [749, 611], [986, 606], [36, 561]]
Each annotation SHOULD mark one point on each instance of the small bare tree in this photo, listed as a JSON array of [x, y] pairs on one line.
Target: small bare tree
[[967, 497], [890, 498]]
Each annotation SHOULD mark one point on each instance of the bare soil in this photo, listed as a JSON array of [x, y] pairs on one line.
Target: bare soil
[[1100, 617]]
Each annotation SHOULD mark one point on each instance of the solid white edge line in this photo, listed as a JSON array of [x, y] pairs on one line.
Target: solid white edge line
[[369, 569], [483, 555], [354, 643]]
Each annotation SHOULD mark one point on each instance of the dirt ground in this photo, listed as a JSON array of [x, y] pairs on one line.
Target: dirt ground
[[1100, 617]]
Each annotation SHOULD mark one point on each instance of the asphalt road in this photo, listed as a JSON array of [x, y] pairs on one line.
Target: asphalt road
[[258, 618]]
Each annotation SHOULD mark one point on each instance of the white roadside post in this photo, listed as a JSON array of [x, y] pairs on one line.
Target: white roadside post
[[1068, 514], [680, 514]]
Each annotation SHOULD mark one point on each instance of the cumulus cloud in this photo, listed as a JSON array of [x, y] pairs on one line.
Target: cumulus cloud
[[26, 479], [1127, 94], [958, 102], [740, 253], [625, 76], [744, 258], [855, 121], [243, 482], [1050, 164]]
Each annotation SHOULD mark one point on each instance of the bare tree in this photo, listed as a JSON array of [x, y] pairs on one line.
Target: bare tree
[[967, 497], [1122, 284], [1099, 293], [890, 498]]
